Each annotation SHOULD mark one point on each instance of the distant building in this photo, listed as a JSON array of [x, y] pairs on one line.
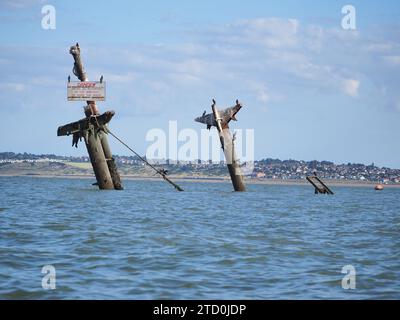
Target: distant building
[[260, 175]]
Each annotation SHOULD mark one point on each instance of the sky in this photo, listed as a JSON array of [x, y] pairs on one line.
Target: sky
[[311, 90]]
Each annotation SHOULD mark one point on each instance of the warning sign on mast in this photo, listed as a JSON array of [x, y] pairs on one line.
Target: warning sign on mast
[[86, 91]]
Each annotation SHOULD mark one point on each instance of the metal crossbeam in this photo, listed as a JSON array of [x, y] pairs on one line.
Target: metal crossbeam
[[83, 124]]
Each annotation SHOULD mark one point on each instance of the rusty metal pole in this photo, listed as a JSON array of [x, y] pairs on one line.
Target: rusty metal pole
[[228, 146], [116, 179], [92, 138]]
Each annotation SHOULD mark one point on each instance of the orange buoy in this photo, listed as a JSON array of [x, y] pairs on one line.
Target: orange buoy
[[379, 187]]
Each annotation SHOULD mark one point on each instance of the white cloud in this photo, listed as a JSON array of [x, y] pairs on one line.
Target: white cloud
[[45, 81], [270, 32], [379, 47], [120, 78], [263, 96], [392, 60], [350, 87], [280, 52], [13, 87], [19, 4], [397, 105], [260, 59], [260, 91]]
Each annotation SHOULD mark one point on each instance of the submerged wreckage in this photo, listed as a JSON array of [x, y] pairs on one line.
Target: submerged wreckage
[[220, 119], [93, 130]]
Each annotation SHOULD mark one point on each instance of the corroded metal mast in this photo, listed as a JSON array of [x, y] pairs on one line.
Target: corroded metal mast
[[220, 120], [93, 129]]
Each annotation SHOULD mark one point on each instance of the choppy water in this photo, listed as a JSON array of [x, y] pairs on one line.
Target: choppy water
[[150, 242]]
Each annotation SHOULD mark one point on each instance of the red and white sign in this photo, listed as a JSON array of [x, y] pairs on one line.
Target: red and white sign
[[86, 91]]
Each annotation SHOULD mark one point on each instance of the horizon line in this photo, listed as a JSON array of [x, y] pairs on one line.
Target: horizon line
[[196, 160]]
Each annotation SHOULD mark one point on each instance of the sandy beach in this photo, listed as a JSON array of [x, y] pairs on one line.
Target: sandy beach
[[333, 183]]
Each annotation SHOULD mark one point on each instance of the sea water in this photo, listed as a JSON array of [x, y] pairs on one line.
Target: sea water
[[65, 239]]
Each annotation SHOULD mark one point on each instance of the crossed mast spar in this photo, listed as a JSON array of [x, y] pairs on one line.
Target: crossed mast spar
[[93, 129]]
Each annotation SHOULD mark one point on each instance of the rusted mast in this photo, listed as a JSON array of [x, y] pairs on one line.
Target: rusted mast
[[95, 138], [228, 146]]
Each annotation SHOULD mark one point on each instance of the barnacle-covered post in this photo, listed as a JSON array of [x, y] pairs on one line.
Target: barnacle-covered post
[[93, 129], [220, 119]]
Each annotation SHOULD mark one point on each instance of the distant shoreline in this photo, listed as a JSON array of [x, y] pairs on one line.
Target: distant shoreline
[[260, 181]]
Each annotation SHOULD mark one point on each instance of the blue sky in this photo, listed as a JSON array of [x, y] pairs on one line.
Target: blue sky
[[311, 90]]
